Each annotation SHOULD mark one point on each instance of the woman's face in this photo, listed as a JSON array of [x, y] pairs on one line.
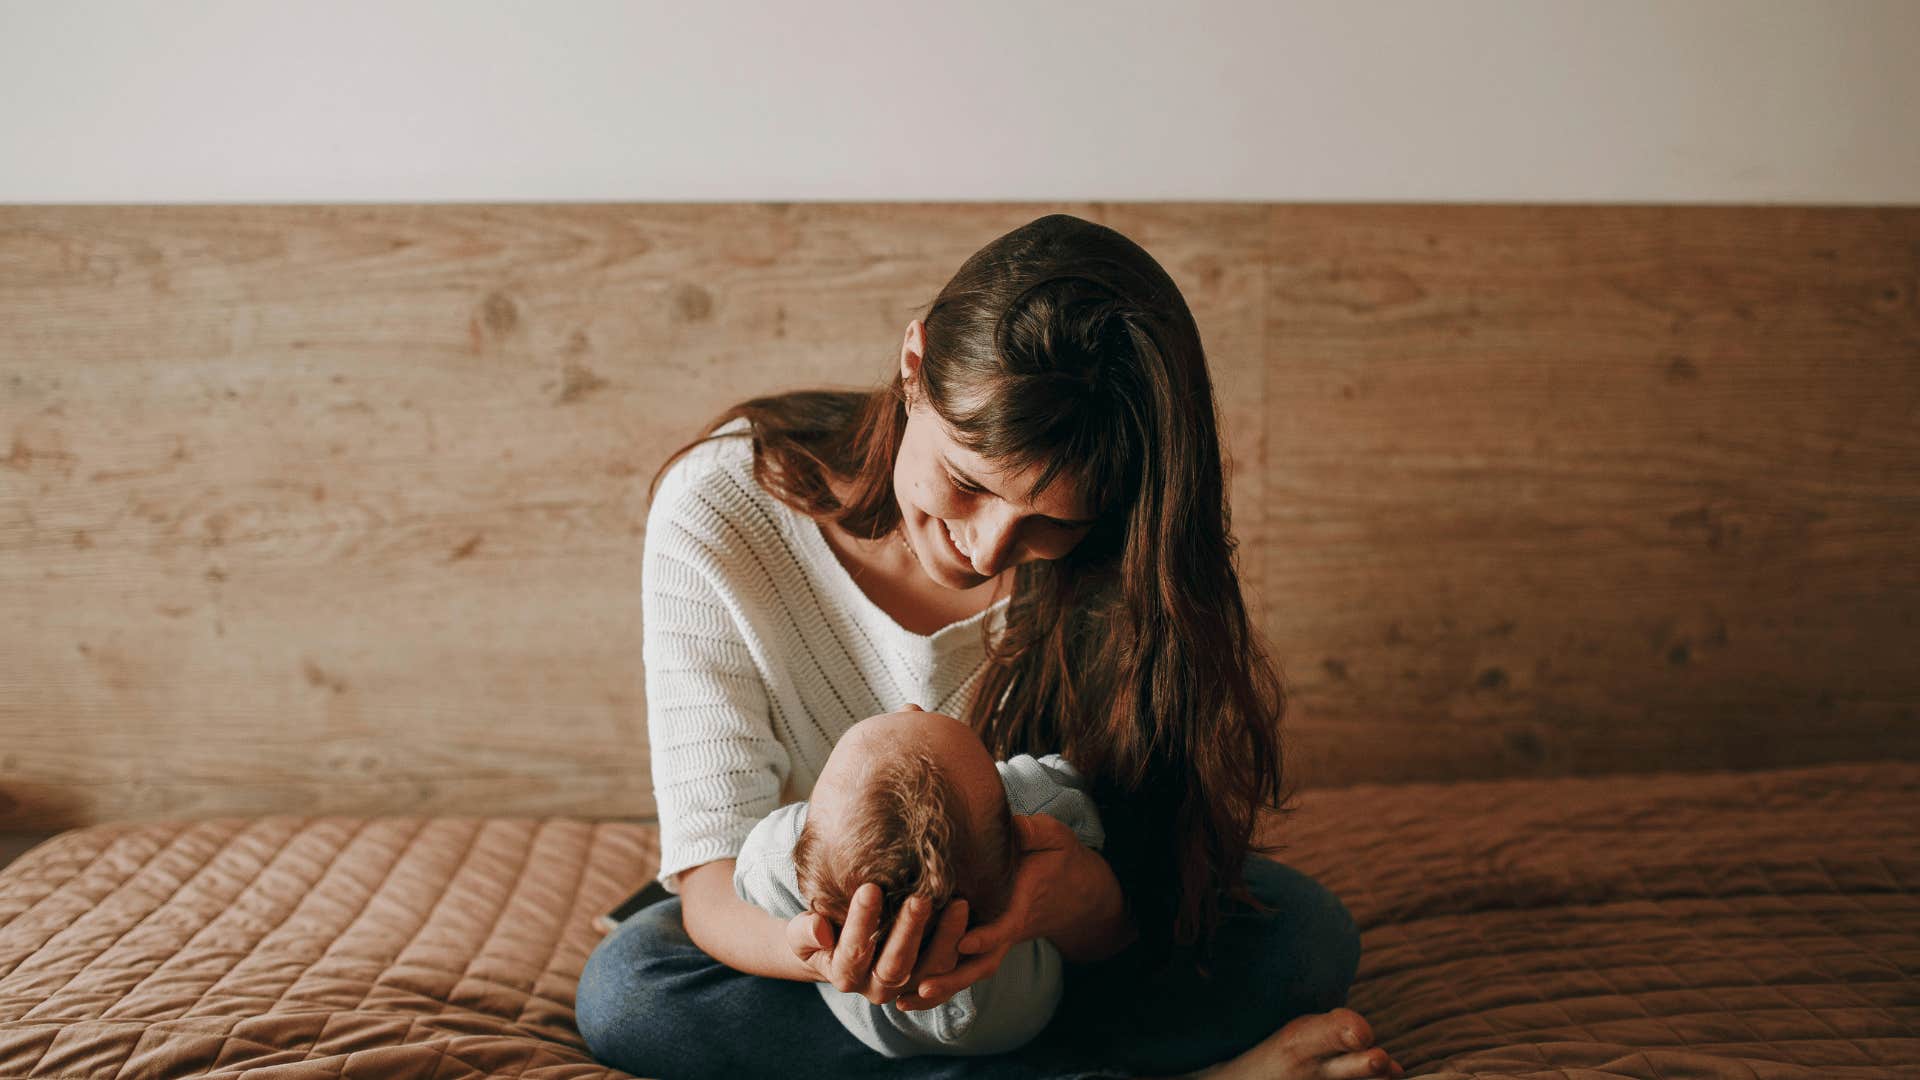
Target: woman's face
[[961, 515]]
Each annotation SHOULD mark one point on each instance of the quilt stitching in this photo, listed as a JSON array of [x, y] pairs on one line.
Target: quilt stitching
[[1671, 951], [581, 863], [212, 863], [506, 904], [167, 848], [326, 870], [399, 859]]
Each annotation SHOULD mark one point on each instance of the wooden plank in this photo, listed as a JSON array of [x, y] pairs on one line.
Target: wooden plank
[[339, 509], [1568, 489]]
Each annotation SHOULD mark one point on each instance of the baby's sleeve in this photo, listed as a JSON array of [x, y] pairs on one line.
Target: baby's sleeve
[[763, 873], [1049, 785], [1001, 1012], [717, 767]]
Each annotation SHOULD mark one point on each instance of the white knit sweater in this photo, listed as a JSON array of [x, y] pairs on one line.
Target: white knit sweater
[[760, 652]]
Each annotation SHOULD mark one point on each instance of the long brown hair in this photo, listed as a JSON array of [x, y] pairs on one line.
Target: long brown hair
[[1063, 344]]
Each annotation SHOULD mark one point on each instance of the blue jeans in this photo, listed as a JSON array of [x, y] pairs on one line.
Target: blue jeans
[[652, 1003]]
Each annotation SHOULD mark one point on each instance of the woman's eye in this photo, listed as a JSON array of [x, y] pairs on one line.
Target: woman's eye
[[958, 486]]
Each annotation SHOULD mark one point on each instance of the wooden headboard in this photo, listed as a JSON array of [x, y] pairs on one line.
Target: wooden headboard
[[339, 508]]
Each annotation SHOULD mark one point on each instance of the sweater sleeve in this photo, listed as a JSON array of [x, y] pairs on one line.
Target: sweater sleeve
[[717, 767]]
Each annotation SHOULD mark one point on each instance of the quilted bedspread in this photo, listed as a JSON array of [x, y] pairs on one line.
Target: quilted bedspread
[[1753, 925]]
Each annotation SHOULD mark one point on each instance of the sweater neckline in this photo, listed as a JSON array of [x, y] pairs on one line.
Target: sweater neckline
[[851, 592]]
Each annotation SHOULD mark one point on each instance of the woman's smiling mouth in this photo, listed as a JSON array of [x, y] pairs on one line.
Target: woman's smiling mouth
[[951, 543]]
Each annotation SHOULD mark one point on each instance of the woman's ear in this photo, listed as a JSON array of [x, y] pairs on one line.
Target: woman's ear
[[912, 349]]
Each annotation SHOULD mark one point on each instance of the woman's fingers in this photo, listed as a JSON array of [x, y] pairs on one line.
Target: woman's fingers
[[942, 954], [895, 965], [939, 957], [998, 934], [853, 956], [982, 939], [937, 989]]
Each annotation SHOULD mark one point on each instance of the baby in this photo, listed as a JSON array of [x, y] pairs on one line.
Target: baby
[[913, 802]]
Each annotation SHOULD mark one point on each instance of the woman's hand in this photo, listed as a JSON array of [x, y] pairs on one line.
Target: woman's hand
[[848, 962], [1044, 897]]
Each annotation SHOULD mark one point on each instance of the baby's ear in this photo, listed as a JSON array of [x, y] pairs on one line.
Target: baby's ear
[[822, 930], [825, 911]]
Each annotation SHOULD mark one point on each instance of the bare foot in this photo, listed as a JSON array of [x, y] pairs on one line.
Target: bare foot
[[1335, 1045]]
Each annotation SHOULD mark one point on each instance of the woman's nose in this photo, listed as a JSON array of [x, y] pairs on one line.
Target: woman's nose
[[992, 543]]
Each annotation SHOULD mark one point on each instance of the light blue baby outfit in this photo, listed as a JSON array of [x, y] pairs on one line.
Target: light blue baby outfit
[[994, 1015]]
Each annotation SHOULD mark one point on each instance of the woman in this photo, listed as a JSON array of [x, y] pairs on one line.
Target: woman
[[1026, 528]]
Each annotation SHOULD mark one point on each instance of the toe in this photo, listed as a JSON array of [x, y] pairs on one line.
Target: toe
[[1371, 1062], [1348, 1030], [1320, 1036]]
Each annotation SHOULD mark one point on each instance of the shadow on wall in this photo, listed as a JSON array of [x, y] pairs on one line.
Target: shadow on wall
[[28, 808]]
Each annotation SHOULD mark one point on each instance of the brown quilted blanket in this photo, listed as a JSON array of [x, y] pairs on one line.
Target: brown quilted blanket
[[1760, 925]]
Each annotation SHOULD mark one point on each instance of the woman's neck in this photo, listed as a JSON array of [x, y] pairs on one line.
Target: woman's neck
[[889, 573]]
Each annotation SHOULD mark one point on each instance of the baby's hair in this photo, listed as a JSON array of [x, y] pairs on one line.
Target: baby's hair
[[908, 831]]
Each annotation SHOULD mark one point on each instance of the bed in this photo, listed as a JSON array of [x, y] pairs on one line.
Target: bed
[[1584, 536], [1761, 924]]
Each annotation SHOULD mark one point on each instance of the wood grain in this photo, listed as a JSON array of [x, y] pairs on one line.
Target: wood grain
[[1594, 489], [338, 508]]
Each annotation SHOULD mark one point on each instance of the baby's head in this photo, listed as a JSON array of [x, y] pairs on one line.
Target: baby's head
[[912, 802]]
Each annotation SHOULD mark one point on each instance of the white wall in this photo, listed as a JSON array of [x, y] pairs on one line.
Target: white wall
[[1726, 101]]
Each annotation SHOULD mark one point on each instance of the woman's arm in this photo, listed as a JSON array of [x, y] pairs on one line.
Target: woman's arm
[[734, 932], [1098, 926], [1063, 891]]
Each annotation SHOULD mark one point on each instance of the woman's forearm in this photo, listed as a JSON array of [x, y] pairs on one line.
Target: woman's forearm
[[734, 932], [1100, 927]]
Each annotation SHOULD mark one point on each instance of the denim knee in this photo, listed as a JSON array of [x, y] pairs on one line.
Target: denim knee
[[625, 993], [1263, 969], [1311, 933]]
